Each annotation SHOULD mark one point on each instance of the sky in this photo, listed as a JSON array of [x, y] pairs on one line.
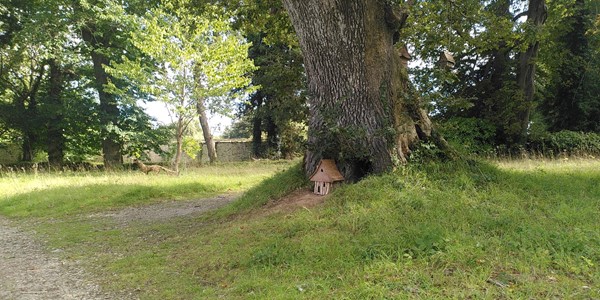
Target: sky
[[158, 110]]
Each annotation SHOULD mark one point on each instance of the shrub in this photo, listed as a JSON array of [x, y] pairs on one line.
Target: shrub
[[565, 142], [469, 135]]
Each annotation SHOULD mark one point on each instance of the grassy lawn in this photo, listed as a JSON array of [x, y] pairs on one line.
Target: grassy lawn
[[522, 230], [59, 195]]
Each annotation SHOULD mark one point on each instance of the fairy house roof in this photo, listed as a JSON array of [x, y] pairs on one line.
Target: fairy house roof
[[446, 59], [404, 53], [327, 171], [404, 56]]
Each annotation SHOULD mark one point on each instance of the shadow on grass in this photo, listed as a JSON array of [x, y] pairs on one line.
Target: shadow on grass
[[272, 188], [61, 201]]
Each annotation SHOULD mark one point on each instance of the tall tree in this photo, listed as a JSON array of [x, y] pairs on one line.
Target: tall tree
[[537, 12], [279, 107], [104, 27], [361, 112], [572, 100], [199, 62]]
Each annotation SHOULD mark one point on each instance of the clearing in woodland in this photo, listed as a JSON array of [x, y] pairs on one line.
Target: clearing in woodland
[[525, 229]]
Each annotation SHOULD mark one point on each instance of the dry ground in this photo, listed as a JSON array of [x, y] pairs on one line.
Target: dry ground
[[30, 271]]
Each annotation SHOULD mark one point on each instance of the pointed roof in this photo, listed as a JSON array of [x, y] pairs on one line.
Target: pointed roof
[[327, 171], [447, 57], [404, 53]]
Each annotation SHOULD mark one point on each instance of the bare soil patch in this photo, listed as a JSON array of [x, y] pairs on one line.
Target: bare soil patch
[[302, 198], [28, 271], [167, 210]]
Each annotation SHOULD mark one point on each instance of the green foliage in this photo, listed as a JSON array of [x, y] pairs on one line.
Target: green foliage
[[279, 106], [566, 143], [139, 135], [200, 62], [469, 135], [571, 95], [191, 147], [240, 129]]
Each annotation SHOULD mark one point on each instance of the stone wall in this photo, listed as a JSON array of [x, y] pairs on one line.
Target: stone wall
[[229, 151]]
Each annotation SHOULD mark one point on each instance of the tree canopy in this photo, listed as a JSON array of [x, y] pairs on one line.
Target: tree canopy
[[73, 72]]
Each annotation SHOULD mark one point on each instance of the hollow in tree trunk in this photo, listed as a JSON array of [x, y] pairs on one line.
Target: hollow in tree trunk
[[361, 112]]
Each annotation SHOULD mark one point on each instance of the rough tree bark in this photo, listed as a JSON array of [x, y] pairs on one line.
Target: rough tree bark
[[208, 138], [536, 17], [361, 112]]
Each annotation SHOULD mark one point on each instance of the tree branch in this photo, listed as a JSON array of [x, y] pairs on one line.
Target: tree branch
[[520, 15]]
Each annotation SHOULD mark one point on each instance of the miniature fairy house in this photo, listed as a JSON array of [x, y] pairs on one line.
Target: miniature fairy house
[[325, 176], [446, 60], [404, 56]]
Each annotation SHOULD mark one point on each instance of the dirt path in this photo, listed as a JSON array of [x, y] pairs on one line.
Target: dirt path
[[28, 271]]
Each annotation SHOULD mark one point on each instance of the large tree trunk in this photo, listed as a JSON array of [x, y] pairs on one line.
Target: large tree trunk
[[208, 138], [536, 16], [55, 141], [272, 136], [359, 112], [109, 109]]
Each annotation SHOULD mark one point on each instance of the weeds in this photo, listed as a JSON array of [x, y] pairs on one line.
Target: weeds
[[432, 231]]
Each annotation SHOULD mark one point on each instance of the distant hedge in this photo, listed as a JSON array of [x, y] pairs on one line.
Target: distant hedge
[[565, 142]]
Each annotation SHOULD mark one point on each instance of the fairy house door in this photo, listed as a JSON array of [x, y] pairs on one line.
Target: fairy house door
[[325, 176]]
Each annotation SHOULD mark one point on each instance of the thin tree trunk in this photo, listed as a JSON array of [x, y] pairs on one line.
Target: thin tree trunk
[[536, 16], [27, 148], [179, 137], [109, 110], [272, 136], [359, 114], [257, 126], [55, 140], [30, 114], [208, 138]]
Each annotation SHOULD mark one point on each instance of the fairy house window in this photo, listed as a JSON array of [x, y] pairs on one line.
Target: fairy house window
[[325, 176]]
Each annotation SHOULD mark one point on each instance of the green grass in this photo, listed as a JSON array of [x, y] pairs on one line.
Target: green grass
[[519, 230], [56, 195]]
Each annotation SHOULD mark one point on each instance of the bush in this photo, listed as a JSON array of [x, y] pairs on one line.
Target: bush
[[565, 142], [469, 135]]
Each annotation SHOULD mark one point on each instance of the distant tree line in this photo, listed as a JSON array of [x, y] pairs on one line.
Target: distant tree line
[[72, 74]]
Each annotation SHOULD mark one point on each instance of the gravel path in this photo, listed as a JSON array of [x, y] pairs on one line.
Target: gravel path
[[28, 271]]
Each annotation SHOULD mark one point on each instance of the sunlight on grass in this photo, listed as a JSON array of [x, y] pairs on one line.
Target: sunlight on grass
[[516, 230], [51, 194], [558, 165]]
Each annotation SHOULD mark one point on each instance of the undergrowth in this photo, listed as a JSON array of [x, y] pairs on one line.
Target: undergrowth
[[464, 229]]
